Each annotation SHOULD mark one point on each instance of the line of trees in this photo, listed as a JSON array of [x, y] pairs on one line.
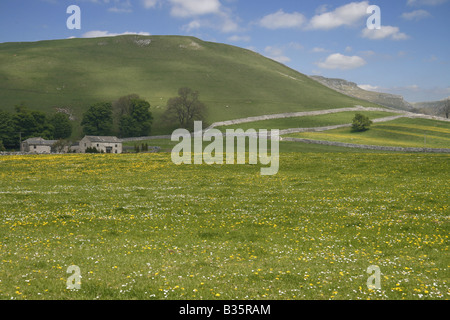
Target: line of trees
[[129, 116], [25, 123]]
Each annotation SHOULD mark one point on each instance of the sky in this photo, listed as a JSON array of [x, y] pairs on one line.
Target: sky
[[409, 55]]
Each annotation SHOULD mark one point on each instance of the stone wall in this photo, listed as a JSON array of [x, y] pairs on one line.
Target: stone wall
[[368, 147]]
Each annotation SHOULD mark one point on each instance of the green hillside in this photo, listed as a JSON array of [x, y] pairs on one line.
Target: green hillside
[[232, 81]]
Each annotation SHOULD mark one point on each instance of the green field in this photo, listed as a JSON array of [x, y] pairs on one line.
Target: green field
[[308, 121], [139, 227], [415, 133]]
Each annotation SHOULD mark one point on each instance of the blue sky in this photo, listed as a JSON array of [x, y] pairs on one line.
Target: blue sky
[[409, 55]]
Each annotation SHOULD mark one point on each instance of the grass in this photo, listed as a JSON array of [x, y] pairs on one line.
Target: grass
[[140, 227], [307, 121], [415, 133], [233, 82]]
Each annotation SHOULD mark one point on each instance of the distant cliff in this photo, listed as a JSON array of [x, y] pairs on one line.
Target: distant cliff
[[436, 108], [352, 89]]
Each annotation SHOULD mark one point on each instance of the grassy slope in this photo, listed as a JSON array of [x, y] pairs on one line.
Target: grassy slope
[[78, 72], [398, 133]]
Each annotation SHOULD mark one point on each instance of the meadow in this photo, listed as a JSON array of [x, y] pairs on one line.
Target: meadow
[[404, 132], [139, 227], [307, 121]]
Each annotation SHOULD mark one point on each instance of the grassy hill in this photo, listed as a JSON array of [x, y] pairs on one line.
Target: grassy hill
[[233, 82]]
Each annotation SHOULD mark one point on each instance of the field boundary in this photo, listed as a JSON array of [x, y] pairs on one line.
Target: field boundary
[[367, 147], [402, 114]]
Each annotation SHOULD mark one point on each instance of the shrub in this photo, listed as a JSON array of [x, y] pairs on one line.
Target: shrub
[[361, 123], [92, 150]]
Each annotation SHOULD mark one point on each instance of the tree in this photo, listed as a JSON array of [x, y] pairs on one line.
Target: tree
[[32, 123], [137, 120], [185, 109], [61, 146], [122, 107], [361, 123], [8, 134], [97, 121], [62, 126], [446, 108]]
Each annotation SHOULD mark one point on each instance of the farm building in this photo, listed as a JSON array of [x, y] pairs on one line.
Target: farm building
[[37, 145], [102, 144]]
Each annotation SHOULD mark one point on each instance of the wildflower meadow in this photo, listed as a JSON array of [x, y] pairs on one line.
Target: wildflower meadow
[[138, 226]]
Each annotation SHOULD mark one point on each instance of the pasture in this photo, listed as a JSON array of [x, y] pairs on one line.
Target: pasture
[[139, 227]]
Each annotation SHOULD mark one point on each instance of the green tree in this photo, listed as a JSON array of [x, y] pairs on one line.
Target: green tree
[[361, 123], [185, 109], [8, 133], [137, 121], [62, 126], [97, 120], [32, 123]]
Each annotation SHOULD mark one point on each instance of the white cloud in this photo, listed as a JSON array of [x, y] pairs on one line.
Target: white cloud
[[425, 2], [367, 53], [276, 54], [348, 15], [193, 25], [220, 17], [369, 87], [99, 34], [282, 20], [295, 45], [237, 38], [221, 22], [148, 4], [227, 24], [192, 8], [416, 15], [318, 50], [120, 10], [342, 62], [383, 33], [322, 9]]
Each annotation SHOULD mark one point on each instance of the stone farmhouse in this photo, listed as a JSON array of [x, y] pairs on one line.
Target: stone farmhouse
[[102, 144], [37, 145]]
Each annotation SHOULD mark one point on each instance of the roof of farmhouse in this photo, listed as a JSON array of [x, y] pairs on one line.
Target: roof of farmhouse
[[103, 139], [40, 141]]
